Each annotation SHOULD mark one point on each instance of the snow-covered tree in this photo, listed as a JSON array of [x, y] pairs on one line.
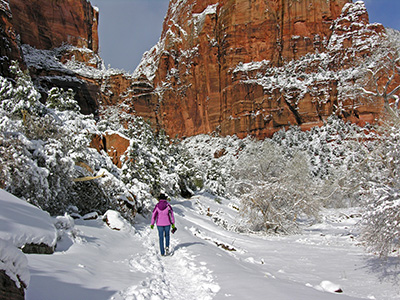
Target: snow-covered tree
[[214, 157], [21, 98], [62, 100], [275, 191], [334, 151], [381, 221], [153, 162], [40, 147], [381, 178]]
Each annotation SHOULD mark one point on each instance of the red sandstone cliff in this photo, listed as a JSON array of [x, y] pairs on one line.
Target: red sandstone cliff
[[47, 35], [252, 67], [9, 49], [236, 67], [47, 24]]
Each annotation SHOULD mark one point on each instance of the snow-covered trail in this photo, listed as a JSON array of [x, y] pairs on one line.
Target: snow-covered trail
[[177, 276], [209, 262]]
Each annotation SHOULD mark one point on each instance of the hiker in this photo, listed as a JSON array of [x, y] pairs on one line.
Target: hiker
[[163, 215]]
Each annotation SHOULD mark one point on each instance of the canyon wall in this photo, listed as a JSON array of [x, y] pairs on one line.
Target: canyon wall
[[216, 65], [47, 24], [45, 36], [9, 48], [245, 67]]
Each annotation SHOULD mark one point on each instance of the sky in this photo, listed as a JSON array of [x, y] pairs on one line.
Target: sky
[[128, 28]]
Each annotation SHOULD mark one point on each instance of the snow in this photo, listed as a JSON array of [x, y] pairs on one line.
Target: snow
[[199, 19], [50, 60], [328, 286], [22, 223], [14, 263], [208, 261], [254, 65]]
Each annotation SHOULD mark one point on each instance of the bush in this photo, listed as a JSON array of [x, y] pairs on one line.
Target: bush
[[381, 182], [275, 192], [381, 221]]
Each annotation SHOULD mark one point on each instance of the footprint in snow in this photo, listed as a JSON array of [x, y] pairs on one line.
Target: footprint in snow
[[173, 277]]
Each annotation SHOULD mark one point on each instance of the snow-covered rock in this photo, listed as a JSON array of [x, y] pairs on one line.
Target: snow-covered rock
[[23, 224], [327, 286], [14, 265], [115, 221]]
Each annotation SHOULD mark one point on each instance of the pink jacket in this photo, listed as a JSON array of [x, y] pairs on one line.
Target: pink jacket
[[163, 214]]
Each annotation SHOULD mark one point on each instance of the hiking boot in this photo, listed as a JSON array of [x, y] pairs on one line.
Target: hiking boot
[[166, 251]]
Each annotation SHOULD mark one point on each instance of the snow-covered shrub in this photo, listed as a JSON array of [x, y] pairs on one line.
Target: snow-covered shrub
[[214, 157], [122, 198], [22, 98], [38, 161], [381, 181], [331, 146], [334, 151], [274, 185], [275, 191], [31, 151], [381, 221], [152, 159], [319, 167]]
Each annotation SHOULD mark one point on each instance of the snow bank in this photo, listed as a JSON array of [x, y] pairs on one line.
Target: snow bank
[[22, 223], [121, 265], [49, 60], [14, 263], [254, 65]]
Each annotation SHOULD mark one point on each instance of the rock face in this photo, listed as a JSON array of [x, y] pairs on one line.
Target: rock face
[[252, 67], [62, 32], [113, 144], [9, 49], [245, 67], [48, 24]]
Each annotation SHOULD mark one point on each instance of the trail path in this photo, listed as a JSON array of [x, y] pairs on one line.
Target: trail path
[[176, 277]]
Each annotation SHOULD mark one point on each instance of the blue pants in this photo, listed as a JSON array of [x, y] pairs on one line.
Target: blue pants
[[163, 231]]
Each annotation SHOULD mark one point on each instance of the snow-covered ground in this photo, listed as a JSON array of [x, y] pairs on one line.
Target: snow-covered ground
[[93, 261]]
